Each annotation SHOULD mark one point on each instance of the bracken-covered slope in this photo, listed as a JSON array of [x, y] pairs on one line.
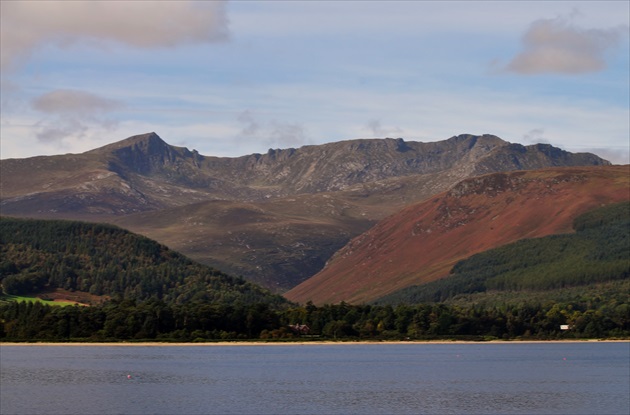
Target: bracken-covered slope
[[597, 253], [287, 210], [423, 242]]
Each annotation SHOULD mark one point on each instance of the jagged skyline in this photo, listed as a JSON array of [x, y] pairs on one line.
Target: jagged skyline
[[235, 78]]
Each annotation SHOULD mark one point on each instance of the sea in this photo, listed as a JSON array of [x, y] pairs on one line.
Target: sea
[[347, 378]]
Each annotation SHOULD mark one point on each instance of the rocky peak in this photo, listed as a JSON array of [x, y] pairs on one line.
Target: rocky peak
[[147, 153], [141, 141]]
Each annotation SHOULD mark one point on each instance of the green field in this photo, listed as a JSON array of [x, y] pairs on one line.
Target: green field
[[6, 298]]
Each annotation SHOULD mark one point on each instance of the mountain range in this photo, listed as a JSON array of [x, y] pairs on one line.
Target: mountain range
[[277, 218]]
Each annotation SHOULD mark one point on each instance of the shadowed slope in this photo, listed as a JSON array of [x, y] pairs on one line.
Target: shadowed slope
[[277, 244]]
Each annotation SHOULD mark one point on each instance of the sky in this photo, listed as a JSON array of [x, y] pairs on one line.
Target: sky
[[232, 78]]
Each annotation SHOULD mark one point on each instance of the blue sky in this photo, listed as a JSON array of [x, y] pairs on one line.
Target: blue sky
[[240, 77]]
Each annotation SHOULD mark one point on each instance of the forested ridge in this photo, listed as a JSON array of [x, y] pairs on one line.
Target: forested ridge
[[598, 251], [105, 260]]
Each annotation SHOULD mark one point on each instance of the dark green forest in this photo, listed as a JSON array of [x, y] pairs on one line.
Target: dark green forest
[[128, 320], [105, 260], [598, 251], [526, 290]]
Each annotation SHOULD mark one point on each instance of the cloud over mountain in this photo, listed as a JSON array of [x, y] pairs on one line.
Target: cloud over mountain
[[29, 25], [558, 46], [73, 101], [377, 130], [71, 113]]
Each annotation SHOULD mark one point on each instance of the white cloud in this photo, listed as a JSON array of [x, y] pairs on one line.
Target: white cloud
[[535, 136], [68, 101], [286, 135], [250, 125], [271, 133], [20, 137], [63, 130], [26, 25], [59, 130], [558, 46], [378, 131], [71, 113]]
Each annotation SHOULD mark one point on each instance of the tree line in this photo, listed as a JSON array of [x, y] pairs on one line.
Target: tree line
[[123, 319]]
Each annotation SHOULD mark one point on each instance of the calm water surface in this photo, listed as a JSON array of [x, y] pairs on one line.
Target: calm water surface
[[548, 378]]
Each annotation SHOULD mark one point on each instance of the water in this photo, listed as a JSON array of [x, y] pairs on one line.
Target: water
[[514, 378]]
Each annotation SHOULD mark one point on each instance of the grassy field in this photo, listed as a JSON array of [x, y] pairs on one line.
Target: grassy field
[[5, 297]]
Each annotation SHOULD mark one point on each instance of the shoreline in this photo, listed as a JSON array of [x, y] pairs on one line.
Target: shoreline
[[297, 343]]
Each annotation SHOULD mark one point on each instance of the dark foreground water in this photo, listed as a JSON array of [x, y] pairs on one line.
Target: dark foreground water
[[550, 378]]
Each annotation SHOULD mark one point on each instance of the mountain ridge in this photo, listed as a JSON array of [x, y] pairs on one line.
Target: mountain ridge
[[139, 165], [148, 186]]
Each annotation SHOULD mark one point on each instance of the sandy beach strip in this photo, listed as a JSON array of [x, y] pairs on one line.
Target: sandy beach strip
[[300, 343]]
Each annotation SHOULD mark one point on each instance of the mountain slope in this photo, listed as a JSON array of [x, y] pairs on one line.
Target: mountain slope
[[424, 241], [277, 244], [598, 251], [313, 199]]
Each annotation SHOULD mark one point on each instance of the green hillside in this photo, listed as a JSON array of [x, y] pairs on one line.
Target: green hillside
[[598, 252], [104, 260]]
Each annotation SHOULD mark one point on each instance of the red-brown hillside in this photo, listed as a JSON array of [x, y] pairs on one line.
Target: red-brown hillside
[[423, 242]]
